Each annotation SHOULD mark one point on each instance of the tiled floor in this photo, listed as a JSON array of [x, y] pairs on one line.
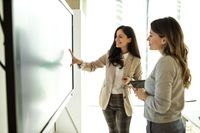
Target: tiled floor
[[97, 124]]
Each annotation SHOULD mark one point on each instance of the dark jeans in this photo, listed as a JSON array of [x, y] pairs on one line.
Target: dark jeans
[[171, 127], [115, 115]]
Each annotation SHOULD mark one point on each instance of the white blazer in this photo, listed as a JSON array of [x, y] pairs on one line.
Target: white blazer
[[132, 68]]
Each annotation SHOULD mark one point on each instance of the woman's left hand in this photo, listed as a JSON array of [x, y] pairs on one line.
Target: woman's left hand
[[141, 93]]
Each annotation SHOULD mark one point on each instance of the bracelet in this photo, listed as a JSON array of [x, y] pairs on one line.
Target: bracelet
[[79, 65]]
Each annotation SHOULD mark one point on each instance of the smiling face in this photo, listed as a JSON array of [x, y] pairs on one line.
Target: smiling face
[[155, 41], [122, 40]]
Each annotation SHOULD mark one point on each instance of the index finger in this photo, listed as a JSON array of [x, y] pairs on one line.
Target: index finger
[[71, 52]]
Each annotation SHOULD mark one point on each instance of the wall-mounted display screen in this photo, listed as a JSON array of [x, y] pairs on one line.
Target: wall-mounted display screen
[[43, 33]]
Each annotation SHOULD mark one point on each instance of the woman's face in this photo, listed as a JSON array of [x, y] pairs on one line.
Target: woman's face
[[122, 40], [155, 41]]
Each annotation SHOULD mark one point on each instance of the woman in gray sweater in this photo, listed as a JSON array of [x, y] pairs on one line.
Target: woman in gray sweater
[[163, 95]]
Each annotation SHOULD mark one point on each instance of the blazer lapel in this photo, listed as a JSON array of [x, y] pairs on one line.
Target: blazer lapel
[[127, 65]]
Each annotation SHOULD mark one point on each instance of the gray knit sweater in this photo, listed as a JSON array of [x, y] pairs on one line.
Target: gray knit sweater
[[166, 90]]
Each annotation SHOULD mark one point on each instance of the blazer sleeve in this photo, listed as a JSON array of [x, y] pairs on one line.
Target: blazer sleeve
[[92, 66]]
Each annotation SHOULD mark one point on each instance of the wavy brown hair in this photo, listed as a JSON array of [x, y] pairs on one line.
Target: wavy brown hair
[[169, 28]]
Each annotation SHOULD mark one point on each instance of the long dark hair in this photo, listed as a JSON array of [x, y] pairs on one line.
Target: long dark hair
[[168, 27], [115, 54]]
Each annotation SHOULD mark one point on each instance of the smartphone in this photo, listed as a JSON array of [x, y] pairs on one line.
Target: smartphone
[[137, 83]]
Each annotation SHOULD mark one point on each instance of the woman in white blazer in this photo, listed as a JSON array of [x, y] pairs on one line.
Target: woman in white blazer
[[122, 64]]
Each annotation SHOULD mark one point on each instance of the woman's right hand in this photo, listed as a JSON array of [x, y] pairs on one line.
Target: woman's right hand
[[126, 80], [74, 59]]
